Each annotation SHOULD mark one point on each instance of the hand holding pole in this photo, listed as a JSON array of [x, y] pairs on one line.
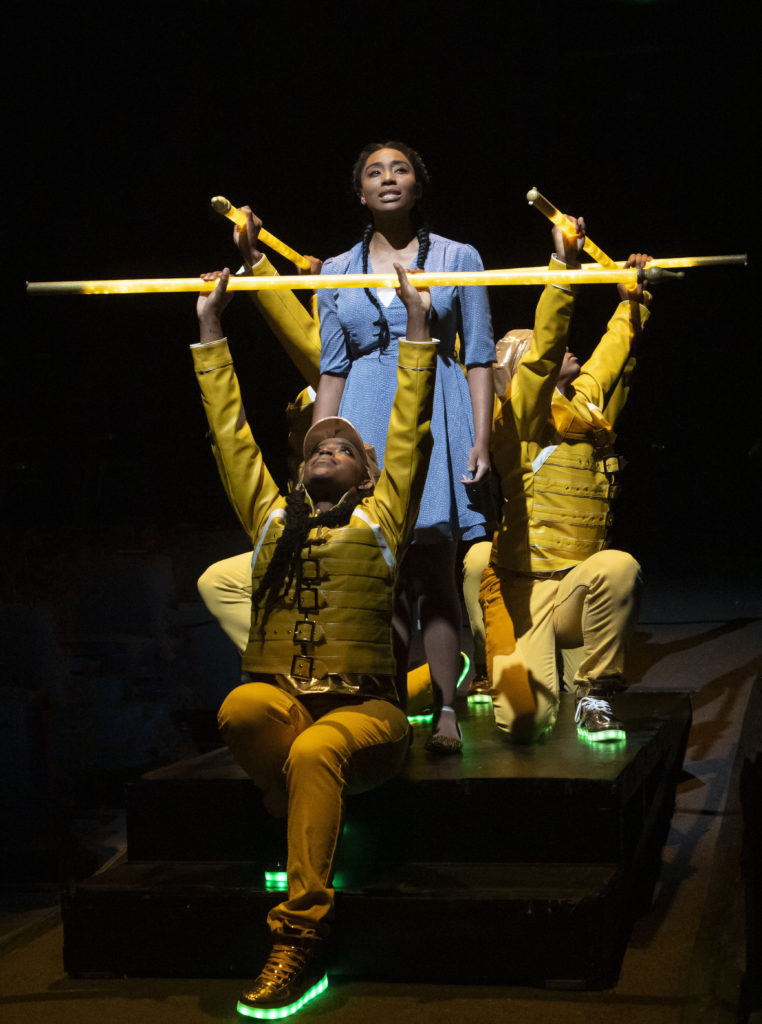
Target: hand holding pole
[[535, 198], [222, 205]]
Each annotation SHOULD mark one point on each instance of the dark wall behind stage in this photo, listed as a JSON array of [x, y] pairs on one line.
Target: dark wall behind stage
[[638, 115]]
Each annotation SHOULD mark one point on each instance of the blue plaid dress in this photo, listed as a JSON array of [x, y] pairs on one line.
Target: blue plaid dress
[[350, 347]]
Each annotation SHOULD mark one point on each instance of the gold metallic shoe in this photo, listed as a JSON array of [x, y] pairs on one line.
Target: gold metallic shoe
[[293, 975], [479, 690]]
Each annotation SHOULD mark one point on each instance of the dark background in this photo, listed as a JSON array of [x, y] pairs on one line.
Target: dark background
[[638, 115], [123, 121]]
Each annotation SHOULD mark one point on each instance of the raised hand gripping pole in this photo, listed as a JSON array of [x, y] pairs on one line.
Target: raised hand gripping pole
[[536, 199], [222, 205]]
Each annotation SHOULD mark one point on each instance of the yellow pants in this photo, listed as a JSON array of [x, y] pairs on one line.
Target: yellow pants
[[303, 767], [589, 613], [225, 588], [475, 561]]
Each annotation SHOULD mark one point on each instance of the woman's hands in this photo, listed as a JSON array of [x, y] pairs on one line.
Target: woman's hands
[[417, 302], [482, 393], [211, 304], [569, 240]]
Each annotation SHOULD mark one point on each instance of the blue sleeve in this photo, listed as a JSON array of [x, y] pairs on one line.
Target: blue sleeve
[[334, 352], [474, 319]]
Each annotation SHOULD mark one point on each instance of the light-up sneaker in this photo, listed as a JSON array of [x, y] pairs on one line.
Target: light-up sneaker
[[293, 976], [595, 719]]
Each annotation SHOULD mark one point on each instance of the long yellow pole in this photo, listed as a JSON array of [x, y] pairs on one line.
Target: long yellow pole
[[222, 205], [513, 276], [519, 275]]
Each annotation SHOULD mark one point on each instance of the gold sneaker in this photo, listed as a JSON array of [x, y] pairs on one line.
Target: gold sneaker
[[293, 975]]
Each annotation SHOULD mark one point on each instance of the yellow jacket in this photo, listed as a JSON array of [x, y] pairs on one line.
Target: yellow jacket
[[299, 334], [554, 455], [336, 616], [292, 325]]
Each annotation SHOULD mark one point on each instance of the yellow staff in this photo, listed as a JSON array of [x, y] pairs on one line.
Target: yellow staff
[[515, 275], [535, 198], [222, 205], [518, 275]]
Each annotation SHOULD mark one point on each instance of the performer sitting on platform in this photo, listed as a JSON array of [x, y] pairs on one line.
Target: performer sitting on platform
[[550, 584], [322, 715], [226, 585]]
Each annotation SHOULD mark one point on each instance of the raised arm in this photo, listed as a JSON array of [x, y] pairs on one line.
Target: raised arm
[[604, 378], [250, 488], [398, 493], [531, 389], [292, 325]]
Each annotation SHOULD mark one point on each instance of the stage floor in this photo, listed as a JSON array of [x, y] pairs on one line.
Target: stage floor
[[685, 957]]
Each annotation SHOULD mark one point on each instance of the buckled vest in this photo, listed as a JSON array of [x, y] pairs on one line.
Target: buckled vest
[[574, 483], [332, 618]]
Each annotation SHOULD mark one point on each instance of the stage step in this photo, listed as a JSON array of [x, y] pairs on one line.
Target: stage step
[[523, 866], [549, 924], [496, 803]]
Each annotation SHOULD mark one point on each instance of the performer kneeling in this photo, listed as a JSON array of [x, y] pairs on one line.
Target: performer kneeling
[[550, 584], [323, 715]]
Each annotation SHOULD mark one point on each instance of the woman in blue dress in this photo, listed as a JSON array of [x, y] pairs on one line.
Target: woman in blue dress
[[359, 330]]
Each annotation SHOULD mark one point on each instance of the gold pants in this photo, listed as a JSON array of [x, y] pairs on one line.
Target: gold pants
[[303, 767], [475, 561], [589, 613]]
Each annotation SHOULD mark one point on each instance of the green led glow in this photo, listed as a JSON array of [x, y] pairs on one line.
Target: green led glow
[[481, 707], [278, 1012], [466, 667], [479, 698], [603, 736], [421, 718], [276, 881]]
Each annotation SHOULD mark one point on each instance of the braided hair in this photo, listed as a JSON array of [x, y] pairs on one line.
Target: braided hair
[[285, 562], [424, 241]]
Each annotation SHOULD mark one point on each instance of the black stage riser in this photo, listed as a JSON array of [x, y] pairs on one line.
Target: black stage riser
[[519, 820], [450, 872], [551, 925], [425, 816]]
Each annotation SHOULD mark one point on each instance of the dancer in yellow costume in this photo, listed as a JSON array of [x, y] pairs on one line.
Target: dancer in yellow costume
[[551, 584], [226, 585], [321, 715]]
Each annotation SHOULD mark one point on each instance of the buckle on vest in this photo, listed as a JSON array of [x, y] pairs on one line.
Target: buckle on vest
[[301, 667], [308, 599], [310, 571], [609, 464], [304, 632]]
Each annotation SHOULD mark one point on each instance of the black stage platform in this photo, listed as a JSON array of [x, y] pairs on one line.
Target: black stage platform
[[523, 866]]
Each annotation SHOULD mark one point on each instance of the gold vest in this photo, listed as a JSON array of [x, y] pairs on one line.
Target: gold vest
[[332, 619], [574, 482]]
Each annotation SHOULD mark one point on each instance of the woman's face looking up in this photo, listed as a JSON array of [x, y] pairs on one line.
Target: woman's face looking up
[[388, 182]]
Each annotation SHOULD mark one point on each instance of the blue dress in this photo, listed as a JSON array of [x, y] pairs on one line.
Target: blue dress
[[350, 348]]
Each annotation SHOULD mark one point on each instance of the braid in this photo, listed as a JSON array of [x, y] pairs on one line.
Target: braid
[[382, 323], [424, 242], [298, 523]]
